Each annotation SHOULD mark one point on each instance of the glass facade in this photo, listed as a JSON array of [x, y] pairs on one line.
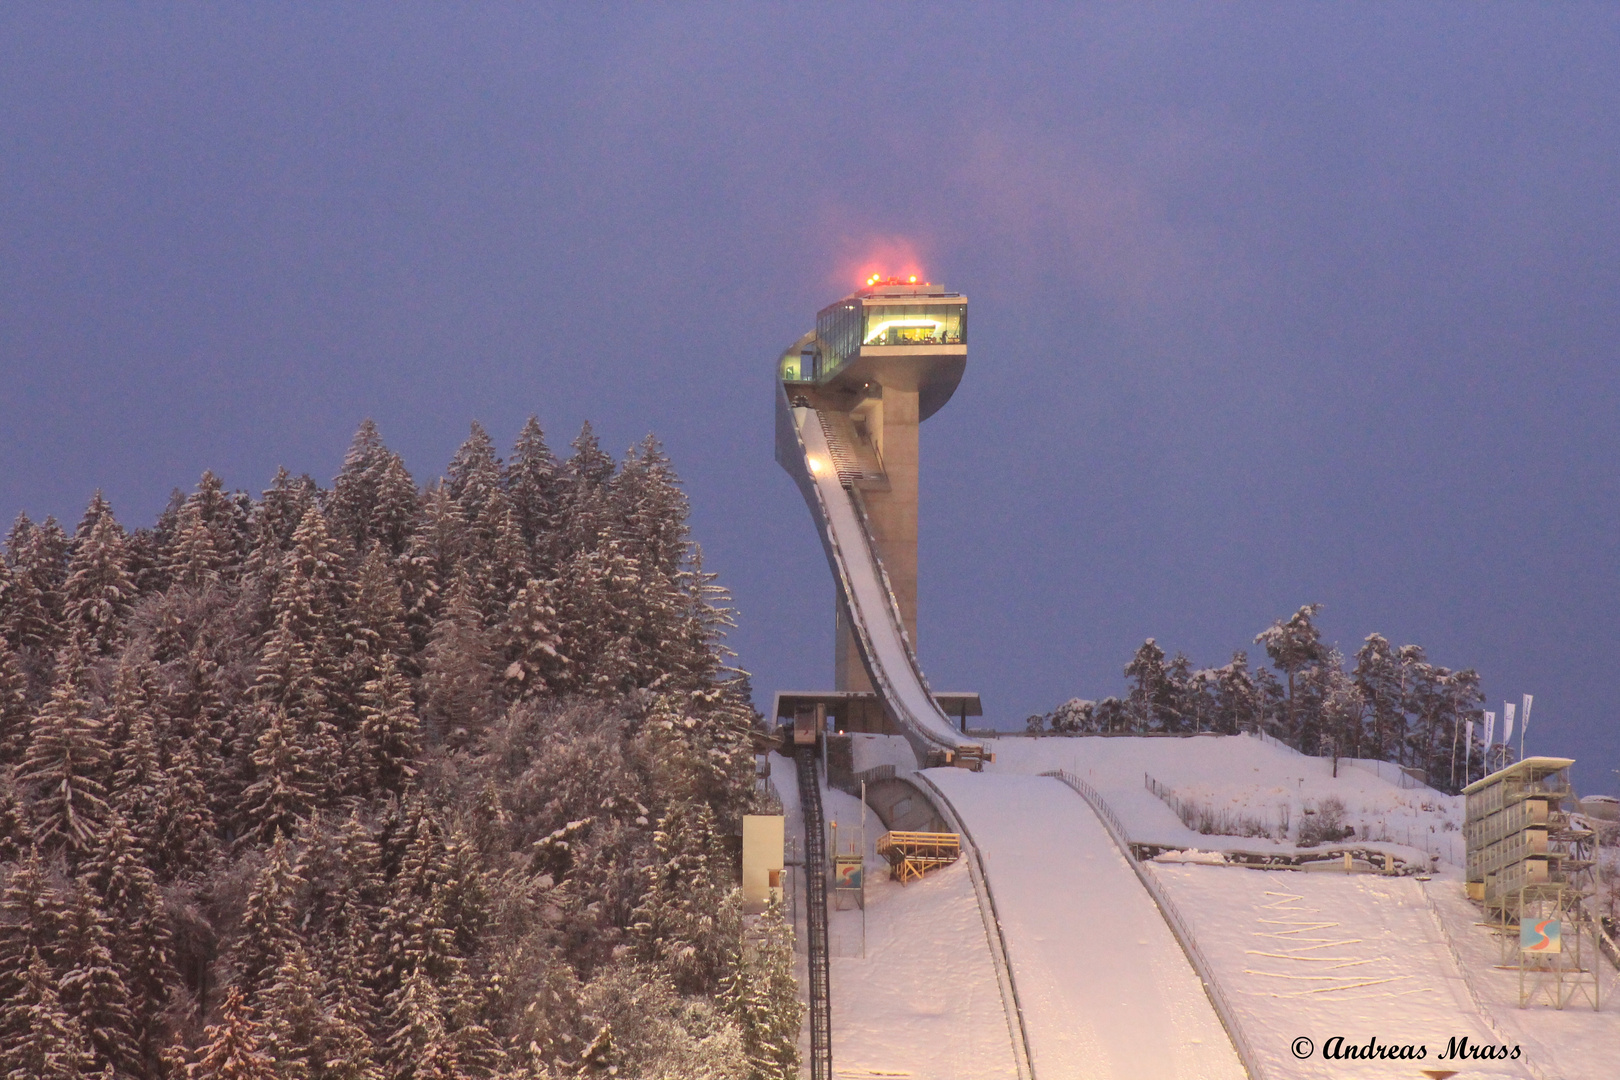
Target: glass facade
[[844, 328], [915, 324], [838, 328]]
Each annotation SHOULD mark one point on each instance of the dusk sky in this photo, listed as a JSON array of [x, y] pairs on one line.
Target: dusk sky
[[1271, 304]]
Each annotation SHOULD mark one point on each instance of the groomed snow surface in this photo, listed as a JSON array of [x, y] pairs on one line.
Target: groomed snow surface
[[1106, 991]]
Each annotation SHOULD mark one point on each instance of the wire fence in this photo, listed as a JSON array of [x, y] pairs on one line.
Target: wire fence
[[1174, 919], [1208, 820]]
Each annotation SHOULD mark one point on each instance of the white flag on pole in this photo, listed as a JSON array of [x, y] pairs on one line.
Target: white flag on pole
[[1524, 716], [1490, 729], [1470, 735], [1507, 721]]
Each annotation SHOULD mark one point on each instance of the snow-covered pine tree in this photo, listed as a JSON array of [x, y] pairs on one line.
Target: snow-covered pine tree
[[194, 560], [459, 683], [1182, 706], [375, 620], [533, 488], [1148, 686], [287, 782], [689, 922], [418, 935], [232, 1050], [226, 516], [41, 1040], [16, 836], [374, 499], [535, 661], [65, 765], [433, 561], [269, 921], [130, 729], [300, 676], [141, 940], [13, 706], [390, 733], [651, 508], [92, 986], [585, 510], [33, 613], [508, 564], [32, 914], [761, 995], [474, 474], [604, 614], [185, 836], [99, 587], [691, 653], [298, 1030], [418, 1047], [1293, 644], [280, 511], [1237, 699]]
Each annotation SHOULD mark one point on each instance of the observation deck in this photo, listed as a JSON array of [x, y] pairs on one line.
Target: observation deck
[[903, 334]]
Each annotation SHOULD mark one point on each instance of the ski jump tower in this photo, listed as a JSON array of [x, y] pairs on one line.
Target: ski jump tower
[[850, 395]]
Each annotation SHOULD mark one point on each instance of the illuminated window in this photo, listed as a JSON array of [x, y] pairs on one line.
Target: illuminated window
[[915, 324]]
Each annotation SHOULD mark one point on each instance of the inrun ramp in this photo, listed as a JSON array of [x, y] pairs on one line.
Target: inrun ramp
[[803, 448], [1106, 992]]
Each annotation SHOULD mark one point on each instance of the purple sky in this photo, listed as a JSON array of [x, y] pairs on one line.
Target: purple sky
[[1271, 304]]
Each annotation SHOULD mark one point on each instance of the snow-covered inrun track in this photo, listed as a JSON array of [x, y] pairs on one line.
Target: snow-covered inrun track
[[855, 565], [1106, 991]]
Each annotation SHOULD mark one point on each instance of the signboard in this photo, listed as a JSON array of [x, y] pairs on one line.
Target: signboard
[[847, 871], [1541, 935]]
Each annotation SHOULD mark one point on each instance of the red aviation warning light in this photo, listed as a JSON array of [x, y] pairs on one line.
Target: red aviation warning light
[[874, 280]]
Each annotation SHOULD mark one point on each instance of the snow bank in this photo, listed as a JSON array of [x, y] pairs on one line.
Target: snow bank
[[1242, 777]]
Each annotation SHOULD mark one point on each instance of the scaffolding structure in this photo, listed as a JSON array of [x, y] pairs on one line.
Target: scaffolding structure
[[913, 854], [1530, 864]]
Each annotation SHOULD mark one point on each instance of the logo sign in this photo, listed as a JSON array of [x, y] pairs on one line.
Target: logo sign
[[847, 872], [1541, 935]]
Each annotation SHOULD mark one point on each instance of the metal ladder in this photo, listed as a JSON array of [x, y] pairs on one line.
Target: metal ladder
[[815, 916]]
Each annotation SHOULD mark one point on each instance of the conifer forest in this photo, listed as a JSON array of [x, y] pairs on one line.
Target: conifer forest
[[382, 781], [1391, 703]]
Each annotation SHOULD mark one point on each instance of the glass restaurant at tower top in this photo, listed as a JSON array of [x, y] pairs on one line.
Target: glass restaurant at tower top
[[889, 319]]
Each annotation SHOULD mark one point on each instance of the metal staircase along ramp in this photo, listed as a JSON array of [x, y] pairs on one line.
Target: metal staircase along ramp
[[803, 446], [853, 458], [815, 890]]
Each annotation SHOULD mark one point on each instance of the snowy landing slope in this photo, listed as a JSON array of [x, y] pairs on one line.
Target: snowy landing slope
[[1105, 989], [1326, 953], [1320, 955]]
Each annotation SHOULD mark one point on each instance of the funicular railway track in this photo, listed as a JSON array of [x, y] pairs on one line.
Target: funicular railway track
[[815, 890]]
